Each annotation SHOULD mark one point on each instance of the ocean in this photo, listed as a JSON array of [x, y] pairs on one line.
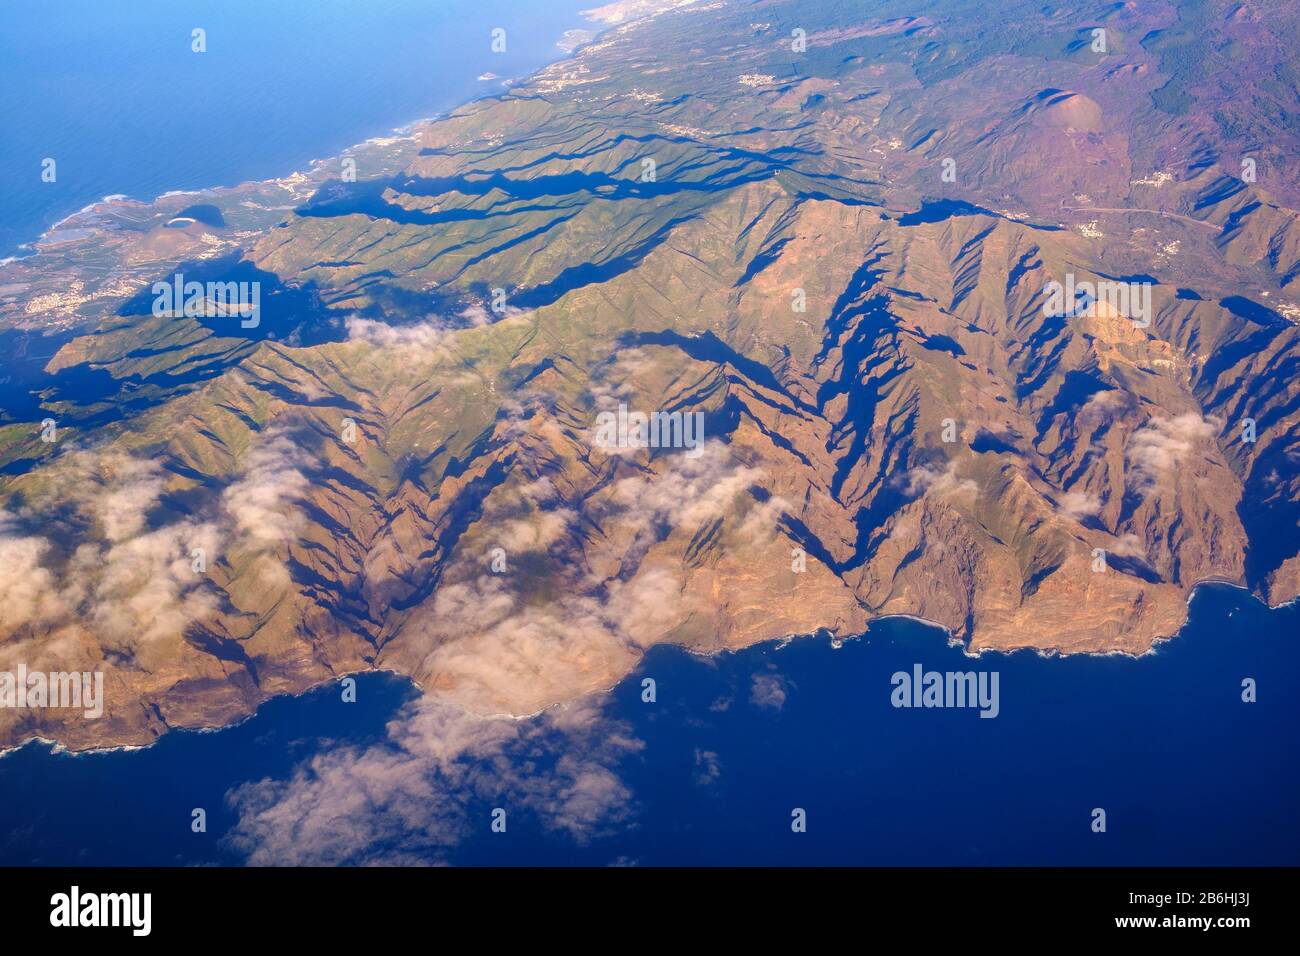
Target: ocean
[[784, 753], [714, 769], [115, 95]]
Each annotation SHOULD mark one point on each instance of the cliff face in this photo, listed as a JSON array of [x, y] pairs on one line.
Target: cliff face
[[400, 466]]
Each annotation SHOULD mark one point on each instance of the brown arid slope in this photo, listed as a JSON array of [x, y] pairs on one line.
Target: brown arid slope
[[400, 467]]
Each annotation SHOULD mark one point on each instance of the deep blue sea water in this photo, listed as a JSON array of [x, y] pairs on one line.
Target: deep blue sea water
[[710, 772], [114, 93]]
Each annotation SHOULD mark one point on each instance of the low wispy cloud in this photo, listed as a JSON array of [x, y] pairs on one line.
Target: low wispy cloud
[[432, 784], [430, 335], [708, 768], [931, 479], [1102, 407], [486, 642], [119, 570], [1078, 505], [769, 691], [688, 492], [1155, 449]]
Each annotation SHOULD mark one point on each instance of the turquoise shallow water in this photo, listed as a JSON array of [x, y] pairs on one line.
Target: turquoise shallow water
[[114, 93], [711, 771]]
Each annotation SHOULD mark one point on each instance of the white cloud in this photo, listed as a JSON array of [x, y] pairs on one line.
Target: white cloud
[[1102, 407], [1079, 504], [769, 691], [496, 653], [535, 533], [1128, 545], [708, 768], [261, 502], [929, 479], [430, 335], [131, 585], [688, 492], [1162, 443], [433, 782], [27, 590]]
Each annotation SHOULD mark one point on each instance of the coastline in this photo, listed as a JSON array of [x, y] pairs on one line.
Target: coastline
[[80, 269], [412, 130], [835, 641], [568, 45], [599, 21]]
